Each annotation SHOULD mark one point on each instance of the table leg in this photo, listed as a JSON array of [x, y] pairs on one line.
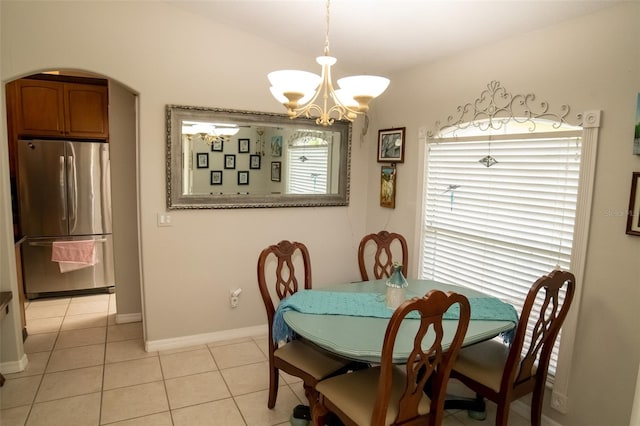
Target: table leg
[[476, 407]]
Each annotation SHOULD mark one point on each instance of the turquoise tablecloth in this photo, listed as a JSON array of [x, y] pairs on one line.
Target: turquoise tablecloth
[[374, 305]]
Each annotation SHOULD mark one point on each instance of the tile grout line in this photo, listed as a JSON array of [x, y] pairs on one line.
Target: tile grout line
[[44, 372], [164, 385], [104, 365]]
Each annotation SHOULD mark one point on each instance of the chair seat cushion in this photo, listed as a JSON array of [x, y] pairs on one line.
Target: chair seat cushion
[[355, 393], [303, 356], [483, 362]]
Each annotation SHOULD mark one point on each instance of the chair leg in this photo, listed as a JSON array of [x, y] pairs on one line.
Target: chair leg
[[319, 413], [312, 396], [274, 381], [536, 406], [502, 414]]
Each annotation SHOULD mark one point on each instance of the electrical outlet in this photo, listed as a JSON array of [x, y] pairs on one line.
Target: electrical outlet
[[233, 294]]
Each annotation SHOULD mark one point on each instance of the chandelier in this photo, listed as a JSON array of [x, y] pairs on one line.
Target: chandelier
[[208, 132], [299, 90]]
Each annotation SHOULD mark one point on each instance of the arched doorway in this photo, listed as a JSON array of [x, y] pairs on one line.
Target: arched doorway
[[123, 143]]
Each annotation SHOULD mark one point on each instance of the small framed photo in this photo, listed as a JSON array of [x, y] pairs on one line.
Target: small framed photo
[[276, 146], [229, 161], [216, 177], [243, 178], [254, 161], [202, 160], [636, 133], [391, 145], [633, 220], [276, 168], [243, 145], [217, 145], [388, 187]]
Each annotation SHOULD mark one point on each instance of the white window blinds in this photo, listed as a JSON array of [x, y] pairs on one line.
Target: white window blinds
[[497, 229], [308, 166]]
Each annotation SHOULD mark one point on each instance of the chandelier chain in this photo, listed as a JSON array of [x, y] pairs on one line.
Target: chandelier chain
[[326, 39]]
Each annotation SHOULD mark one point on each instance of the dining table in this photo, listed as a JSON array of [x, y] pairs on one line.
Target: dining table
[[350, 320]]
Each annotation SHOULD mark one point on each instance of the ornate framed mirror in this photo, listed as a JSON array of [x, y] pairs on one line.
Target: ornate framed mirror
[[221, 159]]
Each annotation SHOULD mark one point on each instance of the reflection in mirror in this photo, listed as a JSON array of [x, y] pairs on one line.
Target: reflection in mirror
[[220, 158]]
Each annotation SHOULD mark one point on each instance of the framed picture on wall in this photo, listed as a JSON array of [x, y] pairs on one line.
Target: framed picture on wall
[[633, 219], [217, 145], [229, 161], [391, 145], [388, 187], [254, 161], [243, 145], [202, 160], [276, 146], [636, 133], [243, 178], [276, 167], [216, 177]]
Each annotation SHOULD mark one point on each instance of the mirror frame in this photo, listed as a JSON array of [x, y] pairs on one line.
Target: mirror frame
[[177, 200]]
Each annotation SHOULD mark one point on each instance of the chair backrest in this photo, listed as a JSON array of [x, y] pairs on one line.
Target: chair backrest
[[429, 364], [524, 370], [380, 266], [292, 270]]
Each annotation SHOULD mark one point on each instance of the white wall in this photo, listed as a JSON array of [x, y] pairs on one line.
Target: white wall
[[152, 48], [589, 63]]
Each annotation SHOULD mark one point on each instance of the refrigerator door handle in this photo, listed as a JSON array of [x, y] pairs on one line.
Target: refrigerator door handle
[[61, 184], [50, 243], [73, 191]]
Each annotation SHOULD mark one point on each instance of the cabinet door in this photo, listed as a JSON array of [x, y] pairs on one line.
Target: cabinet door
[[40, 108], [86, 108]]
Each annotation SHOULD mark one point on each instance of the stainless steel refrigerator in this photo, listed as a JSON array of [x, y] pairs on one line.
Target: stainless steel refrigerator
[[65, 196]]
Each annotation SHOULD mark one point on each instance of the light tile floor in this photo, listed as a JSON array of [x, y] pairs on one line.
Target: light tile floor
[[84, 369]]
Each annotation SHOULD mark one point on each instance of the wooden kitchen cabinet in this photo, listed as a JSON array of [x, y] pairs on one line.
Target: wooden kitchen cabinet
[[61, 109]]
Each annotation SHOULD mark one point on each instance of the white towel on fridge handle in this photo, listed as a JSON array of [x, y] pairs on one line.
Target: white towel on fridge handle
[[74, 255]]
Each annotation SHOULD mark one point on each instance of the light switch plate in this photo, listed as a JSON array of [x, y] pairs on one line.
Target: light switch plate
[[164, 219]]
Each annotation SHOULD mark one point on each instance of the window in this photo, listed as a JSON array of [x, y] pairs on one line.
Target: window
[[499, 209], [497, 106], [309, 165]]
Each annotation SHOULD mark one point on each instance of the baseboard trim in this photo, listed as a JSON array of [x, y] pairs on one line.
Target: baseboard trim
[[14, 366], [199, 339], [126, 318]]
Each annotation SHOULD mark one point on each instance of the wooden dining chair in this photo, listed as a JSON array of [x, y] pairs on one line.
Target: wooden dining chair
[[391, 394], [503, 374], [291, 272], [379, 265]]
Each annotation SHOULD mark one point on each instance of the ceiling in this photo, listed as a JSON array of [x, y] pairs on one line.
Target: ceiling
[[379, 37]]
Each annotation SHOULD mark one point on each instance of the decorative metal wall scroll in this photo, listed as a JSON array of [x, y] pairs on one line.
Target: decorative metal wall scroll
[[495, 107]]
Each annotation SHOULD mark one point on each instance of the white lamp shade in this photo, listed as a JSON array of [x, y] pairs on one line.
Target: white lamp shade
[[364, 85], [203, 128], [227, 131], [280, 97], [346, 99], [188, 130], [293, 81]]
